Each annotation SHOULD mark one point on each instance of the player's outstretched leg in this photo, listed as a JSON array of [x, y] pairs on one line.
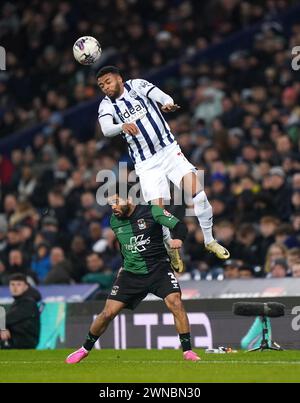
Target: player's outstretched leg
[[204, 213], [98, 327], [175, 305]]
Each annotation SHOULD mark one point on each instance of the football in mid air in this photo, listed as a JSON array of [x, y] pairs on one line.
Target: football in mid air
[[87, 50]]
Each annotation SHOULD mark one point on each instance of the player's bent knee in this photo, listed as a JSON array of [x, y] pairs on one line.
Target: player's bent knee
[[174, 302], [108, 315]]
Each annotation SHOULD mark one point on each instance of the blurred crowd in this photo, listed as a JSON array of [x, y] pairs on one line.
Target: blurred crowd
[[239, 122], [42, 75]]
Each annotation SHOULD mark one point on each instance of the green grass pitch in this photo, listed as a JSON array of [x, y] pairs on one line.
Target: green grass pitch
[[138, 365]]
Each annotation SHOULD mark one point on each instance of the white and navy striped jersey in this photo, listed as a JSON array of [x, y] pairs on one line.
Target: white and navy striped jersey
[[137, 104]]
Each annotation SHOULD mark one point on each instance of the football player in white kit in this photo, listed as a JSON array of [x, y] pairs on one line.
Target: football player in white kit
[[132, 109]]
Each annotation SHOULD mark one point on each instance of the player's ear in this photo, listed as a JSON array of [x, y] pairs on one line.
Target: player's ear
[[120, 79]]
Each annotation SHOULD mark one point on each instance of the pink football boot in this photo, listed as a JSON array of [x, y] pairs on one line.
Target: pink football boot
[[190, 356], [77, 356]]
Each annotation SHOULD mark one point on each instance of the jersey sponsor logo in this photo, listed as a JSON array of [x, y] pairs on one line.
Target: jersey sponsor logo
[[115, 290], [141, 223], [137, 243], [132, 114]]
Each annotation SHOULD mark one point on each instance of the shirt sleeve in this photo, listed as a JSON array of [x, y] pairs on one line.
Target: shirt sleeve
[[149, 90], [163, 217], [105, 118]]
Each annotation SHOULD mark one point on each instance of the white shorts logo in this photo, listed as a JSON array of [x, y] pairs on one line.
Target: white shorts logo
[[115, 290], [174, 280]]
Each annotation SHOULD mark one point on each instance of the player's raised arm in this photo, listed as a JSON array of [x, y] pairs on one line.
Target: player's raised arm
[[155, 94], [179, 229]]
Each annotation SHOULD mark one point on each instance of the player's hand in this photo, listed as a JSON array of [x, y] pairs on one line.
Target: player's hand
[[170, 108], [5, 335], [130, 128], [175, 243]]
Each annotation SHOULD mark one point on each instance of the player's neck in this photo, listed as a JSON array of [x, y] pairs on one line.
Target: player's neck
[[122, 89], [120, 93], [132, 208]]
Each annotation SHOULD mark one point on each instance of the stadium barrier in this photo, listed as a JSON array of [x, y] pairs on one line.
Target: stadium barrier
[[67, 315], [151, 325]]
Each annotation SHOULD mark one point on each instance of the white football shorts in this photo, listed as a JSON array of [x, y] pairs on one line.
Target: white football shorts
[[169, 163]]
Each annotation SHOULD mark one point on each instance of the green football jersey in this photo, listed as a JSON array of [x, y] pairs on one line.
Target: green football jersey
[[141, 237]]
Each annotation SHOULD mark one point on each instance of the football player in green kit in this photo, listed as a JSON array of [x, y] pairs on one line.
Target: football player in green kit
[[146, 269]]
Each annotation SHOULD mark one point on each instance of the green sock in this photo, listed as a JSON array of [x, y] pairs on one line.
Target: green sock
[[185, 340], [90, 341]]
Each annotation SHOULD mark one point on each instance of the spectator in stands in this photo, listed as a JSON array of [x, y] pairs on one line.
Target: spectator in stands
[[280, 193], [267, 227], [77, 257], [96, 272], [246, 272], [194, 247], [3, 233], [247, 141], [275, 251], [279, 269], [248, 249], [23, 316], [293, 256], [231, 269], [285, 234], [24, 213], [9, 205], [27, 183], [41, 261], [97, 242], [295, 269], [2, 271], [61, 270], [51, 233], [17, 264]]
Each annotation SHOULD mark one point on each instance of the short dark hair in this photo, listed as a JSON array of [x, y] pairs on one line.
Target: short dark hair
[[18, 277], [108, 69]]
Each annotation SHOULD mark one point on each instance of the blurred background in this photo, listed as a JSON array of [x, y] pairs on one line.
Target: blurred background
[[226, 62]]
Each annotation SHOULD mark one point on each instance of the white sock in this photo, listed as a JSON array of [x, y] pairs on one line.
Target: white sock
[[203, 211], [166, 236]]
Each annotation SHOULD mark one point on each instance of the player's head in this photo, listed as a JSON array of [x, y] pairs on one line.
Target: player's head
[[121, 205], [110, 81], [17, 284]]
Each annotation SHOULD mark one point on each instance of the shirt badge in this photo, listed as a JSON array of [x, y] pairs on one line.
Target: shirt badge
[[141, 223]]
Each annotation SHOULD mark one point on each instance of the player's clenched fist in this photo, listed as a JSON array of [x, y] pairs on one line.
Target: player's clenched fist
[[175, 243], [130, 128], [170, 108]]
